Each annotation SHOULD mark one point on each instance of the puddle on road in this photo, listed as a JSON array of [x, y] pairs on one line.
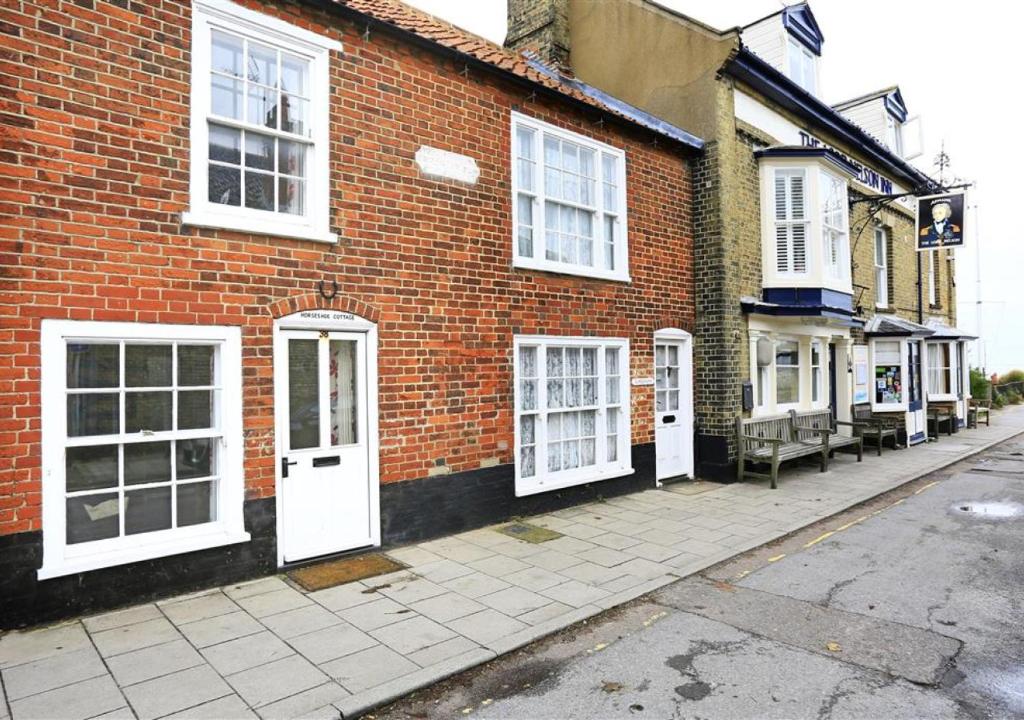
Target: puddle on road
[[990, 510]]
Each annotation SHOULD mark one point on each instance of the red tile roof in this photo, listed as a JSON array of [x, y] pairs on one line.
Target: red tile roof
[[428, 27]]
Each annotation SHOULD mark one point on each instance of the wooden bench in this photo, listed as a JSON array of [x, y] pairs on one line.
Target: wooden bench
[[772, 441], [941, 412], [976, 410], [810, 424], [867, 426]]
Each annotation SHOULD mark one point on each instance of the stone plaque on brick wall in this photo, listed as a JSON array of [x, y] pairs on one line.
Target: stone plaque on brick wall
[[443, 164]]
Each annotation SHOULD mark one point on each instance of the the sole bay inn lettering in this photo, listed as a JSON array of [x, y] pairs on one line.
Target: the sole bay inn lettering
[[866, 175]]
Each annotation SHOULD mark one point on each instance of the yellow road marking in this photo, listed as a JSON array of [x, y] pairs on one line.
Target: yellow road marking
[[777, 557], [922, 489], [818, 539]]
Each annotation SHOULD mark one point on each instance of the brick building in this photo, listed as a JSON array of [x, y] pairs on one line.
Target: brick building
[[290, 279], [810, 290]]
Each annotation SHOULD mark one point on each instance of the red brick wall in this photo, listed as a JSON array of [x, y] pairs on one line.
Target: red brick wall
[[94, 163]]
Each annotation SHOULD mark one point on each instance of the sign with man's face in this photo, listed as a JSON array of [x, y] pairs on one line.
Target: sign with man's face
[[940, 221]]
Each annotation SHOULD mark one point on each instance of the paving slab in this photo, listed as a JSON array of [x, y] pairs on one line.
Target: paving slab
[[81, 700], [367, 668], [375, 614], [222, 628], [317, 702], [450, 605], [120, 618], [343, 596], [412, 635], [331, 643], [273, 681], [52, 672], [200, 608], [486, 626], [230, 707], [246, 652], [17, 648], [514, 601], [177, 691], [273, 602], [145, 664], [134, 637], [291, 623]]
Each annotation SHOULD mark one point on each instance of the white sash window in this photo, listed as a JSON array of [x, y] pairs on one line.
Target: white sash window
[[572, 411], [834, 227], [569, 202], [881, 268], [141, 442]]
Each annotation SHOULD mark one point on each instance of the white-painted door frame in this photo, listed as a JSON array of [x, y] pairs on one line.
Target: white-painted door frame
[[329, 320], [685, 342]]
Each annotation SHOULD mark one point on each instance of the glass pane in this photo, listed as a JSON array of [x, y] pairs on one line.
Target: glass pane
[[586, 254], [787, 353], [673, 400], [92, 517], [262, 64], [588, 422], [673, 377], [528, 362], [195, 458], [226, 54], [197, 503], [195, 365], [572, 393], [570, 455], [147, 463], [147, 365], [527, 461], [556, 394], [147, 411], [660, 377], [295, 115], [611, 361], [787, 381], [195, 409], [613, 448], [344, 401], [259, 191], [554, 427], [589, 391], [90, 468], [96, 414], [147, 510], [613, 420], [303, 394], [93, 366], [259, 151], [589, 361], [612, 390], [588, 450], [525, 244], [225, 144], [528, 398], [673, 355], [291, 196], [526, 429], [226, 97], [225, 185], [554, 456], [262, 107], [553, 359], [659, 401], [294, 75], [291, 158]]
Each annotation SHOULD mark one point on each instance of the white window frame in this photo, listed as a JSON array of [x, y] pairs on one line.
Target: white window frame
[[881, 268], [818, 272], [894, 134], [933, 295], [835, 238], [790, 224], [904, 376], [800, 367], [817, 372], [60, 558], [806, 73], [949, 369], [542, 480], [208, 15], [538, 195]]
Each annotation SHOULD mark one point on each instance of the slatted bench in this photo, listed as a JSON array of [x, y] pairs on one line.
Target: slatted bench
[[978, 409], [870, 427], [772, 441], [811, 424], [941, 412]]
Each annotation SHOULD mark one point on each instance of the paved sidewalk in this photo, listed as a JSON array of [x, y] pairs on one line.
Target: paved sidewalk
[[268, 649]]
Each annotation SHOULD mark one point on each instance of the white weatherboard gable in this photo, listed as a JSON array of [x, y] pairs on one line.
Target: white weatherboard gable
[[441, 163]]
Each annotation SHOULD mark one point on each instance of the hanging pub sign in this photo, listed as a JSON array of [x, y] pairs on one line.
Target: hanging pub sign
[[940, 221]]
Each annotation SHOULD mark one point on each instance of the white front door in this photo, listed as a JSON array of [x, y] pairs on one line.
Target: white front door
[[323, 453], [671, 395]]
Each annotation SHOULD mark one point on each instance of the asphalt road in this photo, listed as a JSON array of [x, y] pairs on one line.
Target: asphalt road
[[911, 606]]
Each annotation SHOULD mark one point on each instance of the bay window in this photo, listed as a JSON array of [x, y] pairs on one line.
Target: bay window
[[259, 132], [572, 411], [141, 442], [805, 223], [569, 202]]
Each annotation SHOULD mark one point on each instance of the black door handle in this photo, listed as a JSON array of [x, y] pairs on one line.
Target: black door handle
[[327, 461], [284, 466]]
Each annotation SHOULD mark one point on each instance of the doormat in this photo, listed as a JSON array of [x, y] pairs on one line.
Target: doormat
[[345, 570], [529, 533]]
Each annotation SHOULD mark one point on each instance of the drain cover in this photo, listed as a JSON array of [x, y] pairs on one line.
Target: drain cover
[[529, 533], [991, 510]]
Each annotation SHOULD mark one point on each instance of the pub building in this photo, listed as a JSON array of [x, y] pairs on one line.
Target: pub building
[[810, 291], [298, 279]]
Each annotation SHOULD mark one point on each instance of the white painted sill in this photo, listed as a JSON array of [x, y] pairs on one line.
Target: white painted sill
[[574, 481], [545, 266], [122, 556], [259, 226]]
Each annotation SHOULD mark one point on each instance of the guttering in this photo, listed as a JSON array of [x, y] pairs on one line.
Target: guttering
[[765, 79], [827, 154]]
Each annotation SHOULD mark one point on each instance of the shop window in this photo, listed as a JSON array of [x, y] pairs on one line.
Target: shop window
[[572, 411], [569, 202], [259, 124], [889, 391], [940, 370], [141, 442]]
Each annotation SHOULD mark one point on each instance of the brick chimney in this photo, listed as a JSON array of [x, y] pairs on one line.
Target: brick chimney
[[541, 26]]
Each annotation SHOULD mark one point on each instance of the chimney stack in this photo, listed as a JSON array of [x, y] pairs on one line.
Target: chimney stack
[[541, 26]]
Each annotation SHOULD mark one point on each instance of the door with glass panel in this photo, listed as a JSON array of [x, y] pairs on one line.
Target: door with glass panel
[[670, 430], [324, 454], [916, 430]]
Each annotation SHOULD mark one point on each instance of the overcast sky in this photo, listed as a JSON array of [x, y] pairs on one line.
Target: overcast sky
[[959, 70]]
